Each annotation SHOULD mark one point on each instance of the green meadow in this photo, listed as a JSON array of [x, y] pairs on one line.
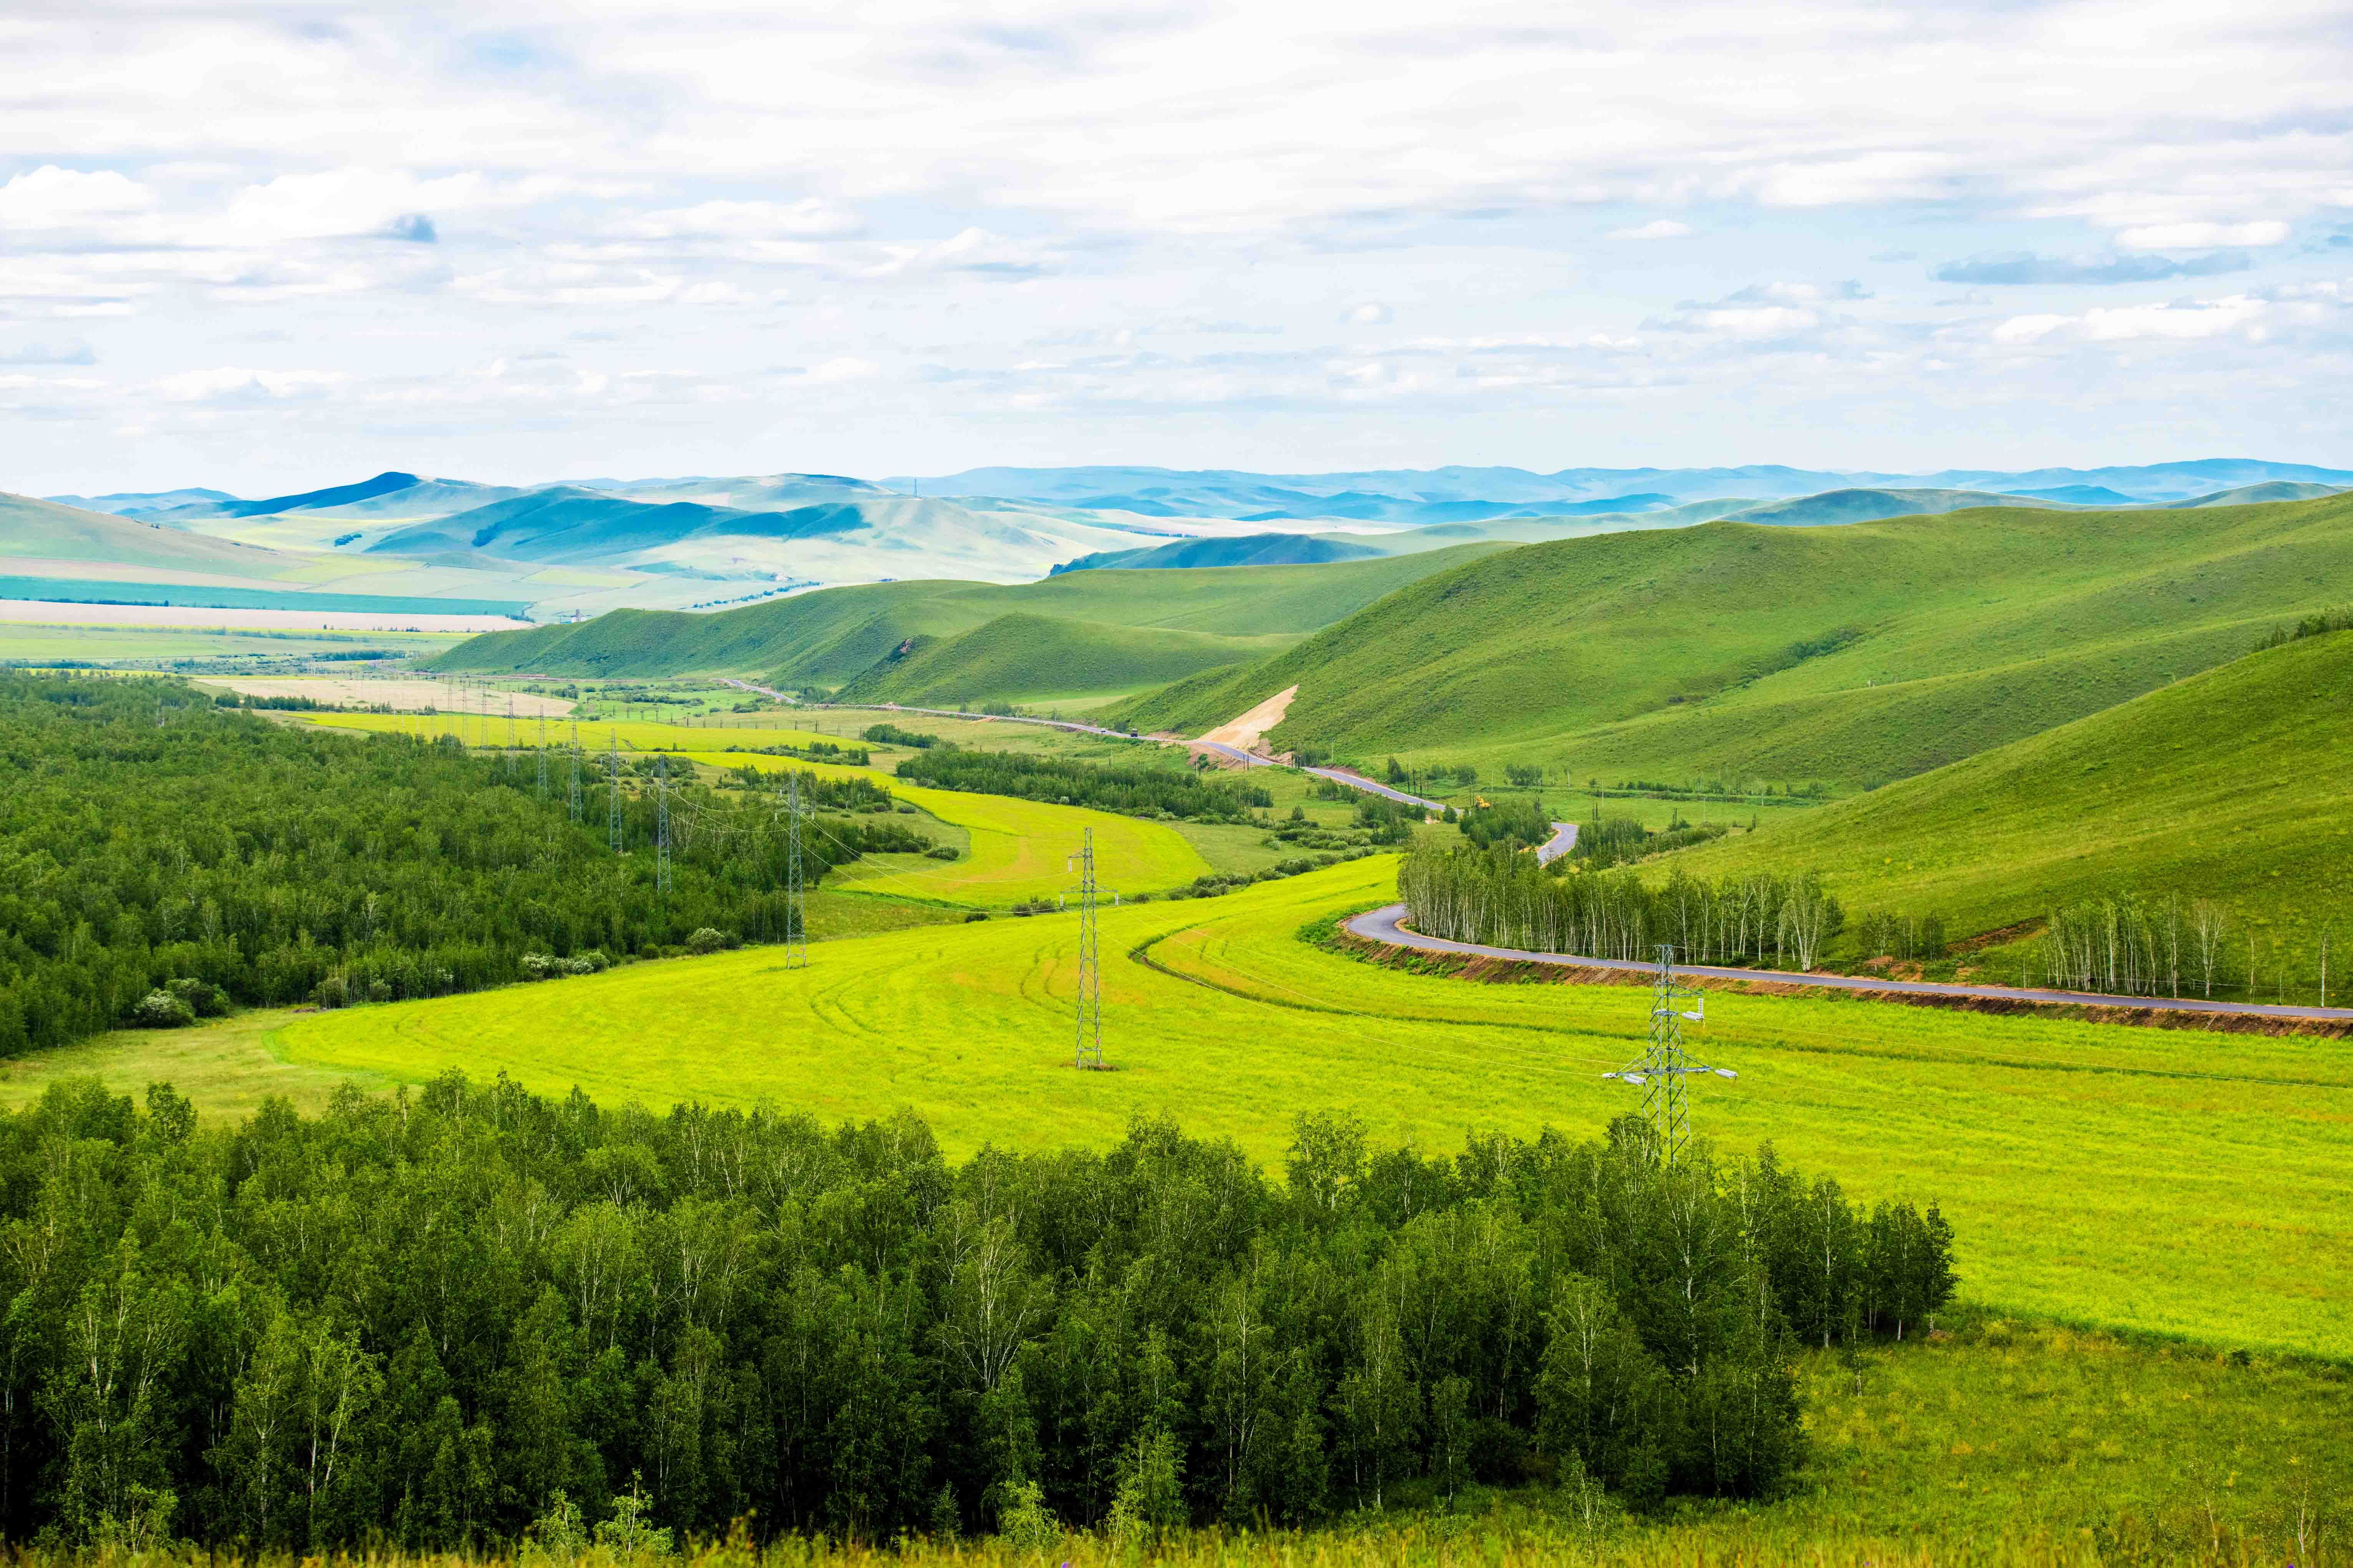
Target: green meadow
[[2172, 1184], [2228, 786]]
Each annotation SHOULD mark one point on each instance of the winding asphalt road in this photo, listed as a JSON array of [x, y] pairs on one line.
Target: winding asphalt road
[[1385, 925]]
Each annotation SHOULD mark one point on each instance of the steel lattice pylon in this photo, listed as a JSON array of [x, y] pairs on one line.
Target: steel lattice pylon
[[661, 824], [1664, 1064], [796, 891], [1090, 1051]]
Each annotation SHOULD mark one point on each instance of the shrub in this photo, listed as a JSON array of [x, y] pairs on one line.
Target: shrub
[[942, 852], [705, 940], [203, 998], [162, 1010]]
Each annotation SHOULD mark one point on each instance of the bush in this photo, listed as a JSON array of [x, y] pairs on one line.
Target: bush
[[706, 940], [203, 998], [941, 852], [162, 1010]]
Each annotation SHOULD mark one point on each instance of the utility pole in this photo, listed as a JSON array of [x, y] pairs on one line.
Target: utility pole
[[510, 735], [1665, 1065], [661, 823], [542, 753], [795, 891], [1090, 1047]]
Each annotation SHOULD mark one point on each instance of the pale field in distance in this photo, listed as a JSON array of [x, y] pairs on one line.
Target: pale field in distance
[[403, 695]]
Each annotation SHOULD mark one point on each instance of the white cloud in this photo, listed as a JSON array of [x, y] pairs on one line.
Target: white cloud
[[1657, 228], [2201, 235], [811, 217], [2183, 321], [231, 384], [50, 197], [845, 369], [1371, 313]]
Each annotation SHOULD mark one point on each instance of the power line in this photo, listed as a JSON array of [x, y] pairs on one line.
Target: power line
[[1664, 1064]]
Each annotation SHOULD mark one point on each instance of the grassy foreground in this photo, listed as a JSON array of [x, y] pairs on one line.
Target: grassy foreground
[[2170, 1183]]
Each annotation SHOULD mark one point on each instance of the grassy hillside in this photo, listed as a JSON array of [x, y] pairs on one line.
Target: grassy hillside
[[833, 636], [2228, 786], [2134, 1177], [1025, 656], [46, 530], [1855, 654]]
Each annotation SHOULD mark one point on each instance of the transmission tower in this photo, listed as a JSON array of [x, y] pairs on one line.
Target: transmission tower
[[613, 794], [661, 824], [1665, 1065], [795, 891], [543, 755], [1090, 1051], [510, 735], [573, 797]]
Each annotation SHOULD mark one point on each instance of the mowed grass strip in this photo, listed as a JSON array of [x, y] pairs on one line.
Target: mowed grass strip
[[1019, 850], [596, 735], [2172, 1183]]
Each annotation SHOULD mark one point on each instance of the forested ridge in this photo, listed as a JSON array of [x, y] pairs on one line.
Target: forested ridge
[[1136, 791], [429, 1320], [147, 835]]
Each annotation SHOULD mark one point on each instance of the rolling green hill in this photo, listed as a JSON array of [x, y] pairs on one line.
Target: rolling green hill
[[43, 530], [1021, 656], [2228, 786], [837, 634], [1854, 655]]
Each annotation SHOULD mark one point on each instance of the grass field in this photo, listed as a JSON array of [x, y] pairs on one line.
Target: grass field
[[2228, 786], [1855, 654], [2177, 1184], [1017, 850]]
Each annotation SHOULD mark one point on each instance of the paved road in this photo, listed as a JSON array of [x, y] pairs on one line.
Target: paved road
[[1381, 925]]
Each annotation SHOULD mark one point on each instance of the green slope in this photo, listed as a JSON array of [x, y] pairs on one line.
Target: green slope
[[41, 530], [836, 635], [1020, 657], [1852, 654], [2228, 786]]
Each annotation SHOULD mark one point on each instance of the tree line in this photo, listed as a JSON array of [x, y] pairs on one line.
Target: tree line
[[1502, 899], [429, 1320], [148, 835], [2131, 943], [1064, 781]]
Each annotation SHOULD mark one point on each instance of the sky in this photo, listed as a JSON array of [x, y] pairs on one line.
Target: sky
[[261, 247]]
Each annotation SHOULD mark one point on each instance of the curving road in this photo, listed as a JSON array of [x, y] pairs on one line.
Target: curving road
[[1385, 925]]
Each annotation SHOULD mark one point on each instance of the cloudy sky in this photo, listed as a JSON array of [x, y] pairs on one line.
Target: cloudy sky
[[264, 245]]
